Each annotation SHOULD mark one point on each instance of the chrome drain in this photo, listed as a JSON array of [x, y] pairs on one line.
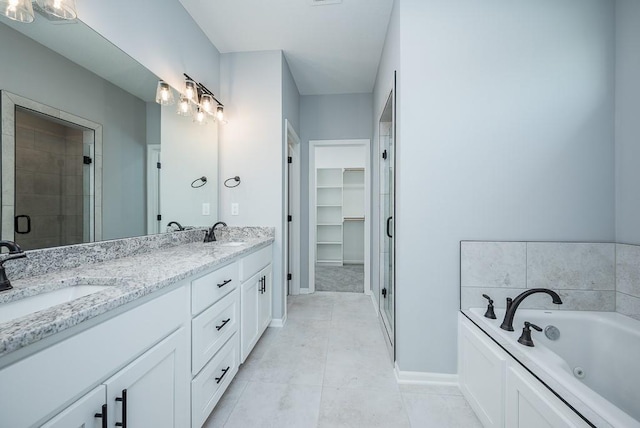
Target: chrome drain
[[579, 372]]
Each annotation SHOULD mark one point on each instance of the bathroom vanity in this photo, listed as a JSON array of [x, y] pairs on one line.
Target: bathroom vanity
[[157, 345]]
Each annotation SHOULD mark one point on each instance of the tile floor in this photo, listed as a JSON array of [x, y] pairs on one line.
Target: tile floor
[[329, 367]]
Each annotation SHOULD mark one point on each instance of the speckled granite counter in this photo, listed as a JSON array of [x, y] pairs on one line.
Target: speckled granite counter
[[129, 278]]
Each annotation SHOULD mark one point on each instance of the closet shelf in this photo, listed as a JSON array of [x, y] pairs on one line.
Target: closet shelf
[[330, 243], [354, 219]]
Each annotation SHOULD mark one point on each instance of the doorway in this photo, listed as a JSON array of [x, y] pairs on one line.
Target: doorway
[[339, 216], [292, 210]]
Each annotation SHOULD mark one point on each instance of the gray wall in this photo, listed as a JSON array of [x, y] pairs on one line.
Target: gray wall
[[160, 35], [251, 146], [389, 63], [627, 123], [327, 117], [506, 134], [26, 69]]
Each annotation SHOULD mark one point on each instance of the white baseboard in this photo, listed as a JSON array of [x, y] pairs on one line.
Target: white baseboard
[[305, 291], [424, 378], [278, 322]]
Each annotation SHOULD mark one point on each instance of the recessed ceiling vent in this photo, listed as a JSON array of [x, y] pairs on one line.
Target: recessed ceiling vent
[[324, 2]]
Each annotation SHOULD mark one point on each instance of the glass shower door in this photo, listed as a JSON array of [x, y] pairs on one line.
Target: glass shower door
[[387, 211]]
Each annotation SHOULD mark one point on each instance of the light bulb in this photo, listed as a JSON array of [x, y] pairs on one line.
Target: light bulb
[[190, 89], [164, 94], [206, 102], [57, 4], [201, 117], [184, 106], [17, 10], [220, 113]]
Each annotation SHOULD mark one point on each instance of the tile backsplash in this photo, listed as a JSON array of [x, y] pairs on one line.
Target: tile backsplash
[[588, 276]]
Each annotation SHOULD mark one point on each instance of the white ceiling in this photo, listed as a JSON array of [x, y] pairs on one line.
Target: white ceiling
[[331, 49]]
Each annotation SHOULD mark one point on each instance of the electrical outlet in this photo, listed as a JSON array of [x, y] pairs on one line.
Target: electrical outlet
[[206, 208], [235, 209]]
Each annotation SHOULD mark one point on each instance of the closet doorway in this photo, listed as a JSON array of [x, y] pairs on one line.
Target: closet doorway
[[339, 216]]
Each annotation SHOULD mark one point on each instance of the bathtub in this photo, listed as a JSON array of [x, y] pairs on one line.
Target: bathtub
[[594, 364]]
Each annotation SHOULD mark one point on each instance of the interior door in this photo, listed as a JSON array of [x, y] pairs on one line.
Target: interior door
[[387, 216]]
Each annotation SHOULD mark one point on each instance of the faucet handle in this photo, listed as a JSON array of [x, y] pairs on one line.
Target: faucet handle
[[525, 338], [490, 313]]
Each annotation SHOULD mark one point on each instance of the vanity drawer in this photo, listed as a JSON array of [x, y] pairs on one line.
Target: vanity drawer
[[252, 263], [212, 328], [210, 384], [211, 287]]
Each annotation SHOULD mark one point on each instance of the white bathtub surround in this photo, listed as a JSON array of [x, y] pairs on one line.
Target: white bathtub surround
[[628, 280], [583, 274], [604, 346]]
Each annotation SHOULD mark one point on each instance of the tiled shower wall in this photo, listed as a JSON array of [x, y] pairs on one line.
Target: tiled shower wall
[[588, 276], [49, 181]]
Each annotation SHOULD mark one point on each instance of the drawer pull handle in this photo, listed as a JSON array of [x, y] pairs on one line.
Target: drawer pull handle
[[123, 424], [219, 327], [224, 283], [224, 372], [103, 415]]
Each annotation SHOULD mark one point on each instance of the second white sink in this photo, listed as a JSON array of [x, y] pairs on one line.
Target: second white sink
[[29, 305]]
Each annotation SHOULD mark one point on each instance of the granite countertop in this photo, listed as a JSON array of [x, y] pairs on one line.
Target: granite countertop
[[128, 278]]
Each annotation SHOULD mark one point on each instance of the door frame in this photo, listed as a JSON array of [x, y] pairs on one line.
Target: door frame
[[292, 207], [154, 153], [366, 143]]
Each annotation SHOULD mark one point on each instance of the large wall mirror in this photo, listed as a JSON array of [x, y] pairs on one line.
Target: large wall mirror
[[82, 139]]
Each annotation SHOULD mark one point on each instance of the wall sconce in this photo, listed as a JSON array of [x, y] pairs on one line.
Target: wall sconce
[[17, 10], [197, 101], [164, 94], [22, 10]]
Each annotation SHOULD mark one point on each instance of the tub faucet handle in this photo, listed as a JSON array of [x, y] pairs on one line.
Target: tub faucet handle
[[525, 338], [490, 313]]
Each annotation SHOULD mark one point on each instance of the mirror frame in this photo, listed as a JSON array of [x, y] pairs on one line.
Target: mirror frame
[[9, 102]]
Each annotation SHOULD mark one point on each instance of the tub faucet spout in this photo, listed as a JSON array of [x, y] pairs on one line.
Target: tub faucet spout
[[507, 323]]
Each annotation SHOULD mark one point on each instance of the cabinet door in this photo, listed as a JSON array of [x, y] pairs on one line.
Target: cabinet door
[[153, 391], [249, 301], [530, 404], [87, 412], [482, 373], [265, 297]]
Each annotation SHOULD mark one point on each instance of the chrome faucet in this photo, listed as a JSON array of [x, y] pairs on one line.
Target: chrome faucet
[[210, 236], [180, 228], [512, 305], [15, 252]]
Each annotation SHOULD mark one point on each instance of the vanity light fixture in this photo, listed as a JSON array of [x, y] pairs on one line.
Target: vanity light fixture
[[197, 101], [164, 94], [17, 10], [63, 9]]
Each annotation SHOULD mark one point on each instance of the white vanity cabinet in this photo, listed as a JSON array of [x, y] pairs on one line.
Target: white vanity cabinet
[[501, 392], [215, 307], [151, 391], [255, 298], [89, 411], [142, 348]]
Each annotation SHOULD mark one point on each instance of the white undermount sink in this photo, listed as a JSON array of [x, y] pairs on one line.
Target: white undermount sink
[[31, 304]]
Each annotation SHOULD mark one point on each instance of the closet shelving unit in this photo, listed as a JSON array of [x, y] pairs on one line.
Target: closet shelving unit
[[339, 216]]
